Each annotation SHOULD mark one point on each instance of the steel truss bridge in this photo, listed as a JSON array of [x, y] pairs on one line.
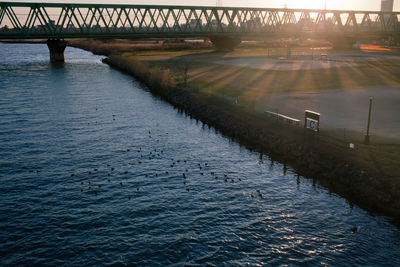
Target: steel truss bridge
[[56, 21]]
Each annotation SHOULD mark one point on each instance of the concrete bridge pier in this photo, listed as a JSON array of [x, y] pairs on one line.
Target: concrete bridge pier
[[342, 42], [56, 48], [225, 43], [394, 39]]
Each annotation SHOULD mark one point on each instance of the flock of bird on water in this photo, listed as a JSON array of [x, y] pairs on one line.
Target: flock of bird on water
[[203, 169]]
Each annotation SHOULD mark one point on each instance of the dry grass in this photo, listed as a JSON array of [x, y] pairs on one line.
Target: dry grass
[[108, 47], [159, 78]]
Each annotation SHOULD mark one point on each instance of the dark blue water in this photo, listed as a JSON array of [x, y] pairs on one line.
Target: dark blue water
[[91, 172]]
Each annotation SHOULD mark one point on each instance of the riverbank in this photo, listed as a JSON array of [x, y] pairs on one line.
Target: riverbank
[[353, 173]]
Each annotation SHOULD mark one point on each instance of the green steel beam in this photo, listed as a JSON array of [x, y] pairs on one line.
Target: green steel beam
[[2, 12]]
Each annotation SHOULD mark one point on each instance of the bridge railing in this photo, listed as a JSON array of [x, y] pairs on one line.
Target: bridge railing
[[39, 20]]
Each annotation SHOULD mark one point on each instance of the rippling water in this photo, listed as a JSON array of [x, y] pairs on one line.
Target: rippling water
[[92, 172]]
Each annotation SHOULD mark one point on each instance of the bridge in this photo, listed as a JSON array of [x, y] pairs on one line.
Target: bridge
[[225, 26]]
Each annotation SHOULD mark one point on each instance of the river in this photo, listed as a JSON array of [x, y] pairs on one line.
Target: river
[[95, 170]]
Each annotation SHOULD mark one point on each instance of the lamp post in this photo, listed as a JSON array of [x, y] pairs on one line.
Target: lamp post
[[369, 122]]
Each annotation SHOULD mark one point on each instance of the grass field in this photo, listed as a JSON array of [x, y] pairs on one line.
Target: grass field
[[345, 82]]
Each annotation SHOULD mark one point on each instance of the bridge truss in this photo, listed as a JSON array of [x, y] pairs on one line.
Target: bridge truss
[[40, 20]]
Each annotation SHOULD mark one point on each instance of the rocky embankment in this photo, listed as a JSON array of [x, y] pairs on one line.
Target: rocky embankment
[[314, 158]]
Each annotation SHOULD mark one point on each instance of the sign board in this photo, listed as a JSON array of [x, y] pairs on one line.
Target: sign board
[[311, 120]]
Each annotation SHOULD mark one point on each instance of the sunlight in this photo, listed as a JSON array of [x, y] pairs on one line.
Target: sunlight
[[374, 47], [333, 4], [306, 4]]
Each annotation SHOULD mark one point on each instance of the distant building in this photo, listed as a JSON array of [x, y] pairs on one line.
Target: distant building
[[214, 24], [387, 5], [194, 23]]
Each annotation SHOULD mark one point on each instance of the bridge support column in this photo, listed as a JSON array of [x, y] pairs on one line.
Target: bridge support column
[[395, 39], [225, 43], [342, 43], [56, 48]]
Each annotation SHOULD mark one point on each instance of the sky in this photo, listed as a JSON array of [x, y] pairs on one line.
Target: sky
[[373, 5]]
